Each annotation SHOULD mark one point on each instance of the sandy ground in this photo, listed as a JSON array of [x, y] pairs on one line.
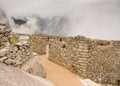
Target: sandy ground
[[58, 75]]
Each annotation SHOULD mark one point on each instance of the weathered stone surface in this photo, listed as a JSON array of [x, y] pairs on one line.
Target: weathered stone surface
[[24, 40], [3, 59], [88, 82], [3, 52], [34, 66], [10, 76]]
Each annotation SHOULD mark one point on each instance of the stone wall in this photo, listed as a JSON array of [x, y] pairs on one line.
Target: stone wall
[[98, 60], [70, 53], [15, 55], [12, 51], [15, 49], [38, 43], [5, 36], [104, 61], [11, 76]]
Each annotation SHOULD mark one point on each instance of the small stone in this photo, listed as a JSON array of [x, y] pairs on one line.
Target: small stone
[[10, 62], [3, 59]]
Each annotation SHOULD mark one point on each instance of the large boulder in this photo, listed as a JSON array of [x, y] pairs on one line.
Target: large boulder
[[11, 76], [34, 66]]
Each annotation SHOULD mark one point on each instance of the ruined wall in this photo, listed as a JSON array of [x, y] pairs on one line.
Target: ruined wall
[[15, 55], [12, 51], [5, 36], [98, 60], [15, 50], [70, 53], [38, 43], [104, 61]]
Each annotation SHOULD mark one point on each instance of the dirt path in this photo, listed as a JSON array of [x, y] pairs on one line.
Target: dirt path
[[59, 75]]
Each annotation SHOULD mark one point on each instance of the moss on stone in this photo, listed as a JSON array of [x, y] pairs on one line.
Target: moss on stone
[[2, 46], [14, 40]]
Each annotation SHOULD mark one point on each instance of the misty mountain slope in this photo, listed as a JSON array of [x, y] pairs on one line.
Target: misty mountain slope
[[3, 18], [19, 21], [55, 25]]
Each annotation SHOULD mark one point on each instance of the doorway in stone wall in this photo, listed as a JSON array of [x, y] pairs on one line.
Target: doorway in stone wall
[[47, 50]]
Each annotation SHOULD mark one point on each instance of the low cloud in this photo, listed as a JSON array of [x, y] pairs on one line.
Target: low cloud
[[92, 18]]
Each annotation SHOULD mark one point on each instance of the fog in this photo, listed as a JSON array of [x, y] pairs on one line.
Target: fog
[[97, 19]]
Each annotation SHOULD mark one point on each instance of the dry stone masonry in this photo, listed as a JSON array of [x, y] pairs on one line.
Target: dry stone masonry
[[34, 66], [39, 43], [5, 36], [11, 53], [15, 55], [98, 60], [15, 49]]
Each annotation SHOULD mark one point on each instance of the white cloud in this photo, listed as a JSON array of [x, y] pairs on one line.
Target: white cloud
[[92, 18]]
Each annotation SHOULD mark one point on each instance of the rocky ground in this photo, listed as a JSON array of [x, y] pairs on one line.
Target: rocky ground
[[34, 66], [11, 76]]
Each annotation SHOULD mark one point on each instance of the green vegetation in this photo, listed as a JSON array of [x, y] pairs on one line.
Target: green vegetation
[[14, 40], [2, 46]]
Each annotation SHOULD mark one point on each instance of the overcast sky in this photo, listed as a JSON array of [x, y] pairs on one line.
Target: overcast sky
[[98, 19]]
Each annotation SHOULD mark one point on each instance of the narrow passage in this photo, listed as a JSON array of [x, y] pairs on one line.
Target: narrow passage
[[58, 75]]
